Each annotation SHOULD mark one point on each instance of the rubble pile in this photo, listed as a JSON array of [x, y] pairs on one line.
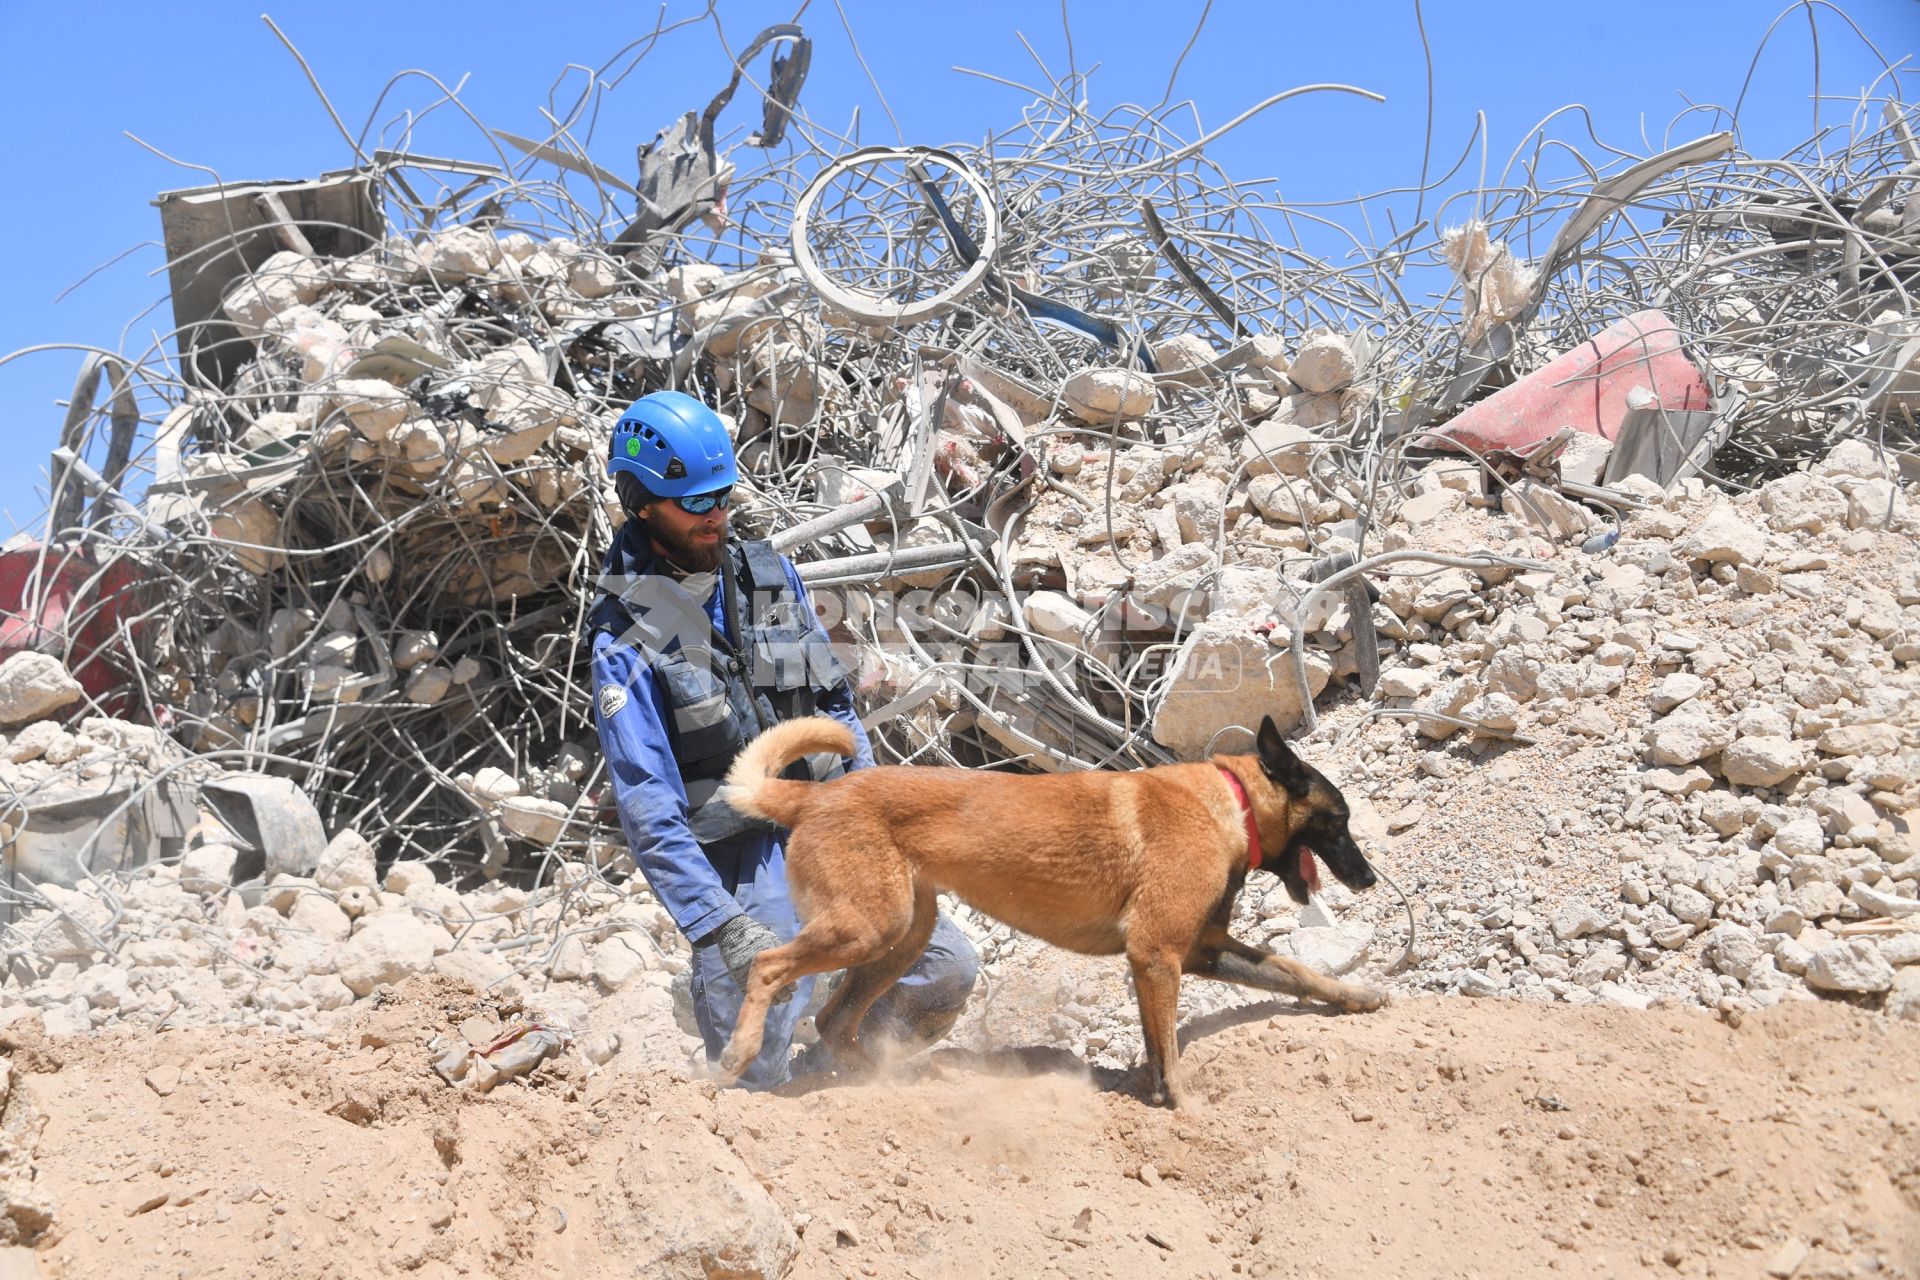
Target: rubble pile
[[181, 945], [1682, 767], [1086, 466], [1728, 708]]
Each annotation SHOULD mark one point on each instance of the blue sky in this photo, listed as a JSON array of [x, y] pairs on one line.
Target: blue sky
[[208, 83]]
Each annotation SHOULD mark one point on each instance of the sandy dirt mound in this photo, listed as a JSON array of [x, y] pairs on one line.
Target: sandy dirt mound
[[1436, 1137]]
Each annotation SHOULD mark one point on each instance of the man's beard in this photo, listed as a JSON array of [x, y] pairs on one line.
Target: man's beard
[[683, 553]]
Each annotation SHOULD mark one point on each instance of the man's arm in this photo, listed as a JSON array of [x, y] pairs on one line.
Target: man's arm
[[837, 701], [650, 794]]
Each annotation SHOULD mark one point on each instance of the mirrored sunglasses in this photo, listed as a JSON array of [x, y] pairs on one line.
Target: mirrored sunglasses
[[698, 504]]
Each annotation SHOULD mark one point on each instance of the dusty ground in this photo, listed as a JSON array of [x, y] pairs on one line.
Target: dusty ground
[[1439, 1137]]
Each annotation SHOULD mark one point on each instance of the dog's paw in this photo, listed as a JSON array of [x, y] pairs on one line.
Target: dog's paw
[[1189, 1100], [730, 1068], [1362, 1000]]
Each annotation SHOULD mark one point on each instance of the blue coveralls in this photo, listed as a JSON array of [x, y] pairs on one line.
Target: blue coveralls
[[702, 887]]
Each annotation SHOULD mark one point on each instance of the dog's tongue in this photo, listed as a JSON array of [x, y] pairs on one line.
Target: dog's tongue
[[1309, 871]]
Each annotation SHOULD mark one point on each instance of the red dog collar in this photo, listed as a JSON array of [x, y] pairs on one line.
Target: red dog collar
[[1246, 814]]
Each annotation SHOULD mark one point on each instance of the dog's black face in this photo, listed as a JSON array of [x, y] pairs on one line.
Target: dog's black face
[[1318, 821]]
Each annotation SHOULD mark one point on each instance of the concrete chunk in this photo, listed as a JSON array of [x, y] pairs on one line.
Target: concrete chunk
[[34, 686]]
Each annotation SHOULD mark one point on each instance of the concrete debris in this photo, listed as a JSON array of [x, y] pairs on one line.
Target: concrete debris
[[33, 686]]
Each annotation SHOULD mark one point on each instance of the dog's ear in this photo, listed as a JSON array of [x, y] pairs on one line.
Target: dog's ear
[[1278, 762]]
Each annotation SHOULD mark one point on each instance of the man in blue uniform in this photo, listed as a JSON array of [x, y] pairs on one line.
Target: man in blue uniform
[[699, 643]]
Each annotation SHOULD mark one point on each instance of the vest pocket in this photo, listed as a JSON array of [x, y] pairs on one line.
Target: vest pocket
[[705, 721], [789, 658]]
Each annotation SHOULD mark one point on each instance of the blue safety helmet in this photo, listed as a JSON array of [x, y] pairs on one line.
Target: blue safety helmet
[[674, 445]]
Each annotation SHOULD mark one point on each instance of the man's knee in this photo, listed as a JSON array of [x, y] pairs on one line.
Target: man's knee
[[950, 967]]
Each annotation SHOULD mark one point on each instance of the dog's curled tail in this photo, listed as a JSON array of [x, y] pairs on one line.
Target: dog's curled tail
[[754, 786]]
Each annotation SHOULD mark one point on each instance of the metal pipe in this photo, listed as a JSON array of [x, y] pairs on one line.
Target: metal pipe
[[831, 522], [875, 565]]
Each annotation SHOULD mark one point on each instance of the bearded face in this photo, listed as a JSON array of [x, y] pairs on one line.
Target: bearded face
[[689, 542]]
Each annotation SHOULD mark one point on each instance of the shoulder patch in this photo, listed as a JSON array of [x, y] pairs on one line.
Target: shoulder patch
[[612, 699]]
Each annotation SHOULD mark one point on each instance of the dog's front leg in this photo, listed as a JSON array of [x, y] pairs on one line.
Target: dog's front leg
[[1227, 959], [1156, 982], [767, 976]]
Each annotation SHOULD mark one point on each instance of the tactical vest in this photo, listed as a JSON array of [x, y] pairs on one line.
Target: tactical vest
[[720, 698]]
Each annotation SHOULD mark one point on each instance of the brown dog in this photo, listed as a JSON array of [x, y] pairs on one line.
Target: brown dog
[[1147, 863]]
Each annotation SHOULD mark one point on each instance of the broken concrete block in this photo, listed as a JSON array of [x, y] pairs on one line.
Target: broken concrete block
[[208, 870], [251, 530], [34, 686], [1408, 682], [429, 684], [1185, 359], [413, 648], [620, 961], [524, 417], [1175, 584], [1852, 967], [1307, 410], [1430, 506], [1439, 594], [1723, 537], [1763, 760], [1334, 950], [1228, 675], [282, 282], [1269, 353], [346, 863], [1324, 361], [33, 742], [481, 970], [373, 408], [536, 821], [388, 947], [1285, 448], [1248, 594], [1101, 397], [1686, 738], [408, 875], [320, 916], [1057, 617], [693, 281], [1287, 499], [489, 785], [1852, 460], [1547, 510], [1802, 503], [318, 345], [1875, 504], [592, 276], [1449, 699], [461, 253], [332, 682], [1495, 711], [1583, 459], [287, 629]]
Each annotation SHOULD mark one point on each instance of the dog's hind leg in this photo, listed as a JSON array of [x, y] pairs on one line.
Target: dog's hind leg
[[855, 910], [839, 938], [1156, 981], [1221, 956], [839, 1022]]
